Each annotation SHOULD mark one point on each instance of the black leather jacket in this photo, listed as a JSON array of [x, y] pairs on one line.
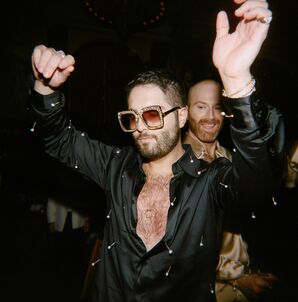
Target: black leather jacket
[[181, 267]]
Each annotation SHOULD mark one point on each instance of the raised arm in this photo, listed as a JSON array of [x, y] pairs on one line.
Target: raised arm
[[257, 129], [51, 68], [234, 52], [50, 122]]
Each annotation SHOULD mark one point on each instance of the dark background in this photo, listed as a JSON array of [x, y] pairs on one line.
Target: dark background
[[108, 55], [111, 40]]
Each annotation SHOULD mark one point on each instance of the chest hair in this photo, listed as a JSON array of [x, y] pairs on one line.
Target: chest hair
[[152, 208]]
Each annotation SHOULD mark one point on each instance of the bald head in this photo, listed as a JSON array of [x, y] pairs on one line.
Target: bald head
[[204, 90], [204, 110]]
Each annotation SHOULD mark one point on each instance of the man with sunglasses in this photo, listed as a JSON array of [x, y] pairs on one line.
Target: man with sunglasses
[[165, 206]]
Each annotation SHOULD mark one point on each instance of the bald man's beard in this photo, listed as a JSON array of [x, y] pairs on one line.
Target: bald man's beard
[[201, 133]]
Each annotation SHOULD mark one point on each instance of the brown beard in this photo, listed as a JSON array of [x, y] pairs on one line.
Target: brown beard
[[165, 143], [203, 136]]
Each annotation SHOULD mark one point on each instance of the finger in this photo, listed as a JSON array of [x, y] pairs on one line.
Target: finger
[[66, 62], [251, 6], [56, 61], [36, 55], [50, 62], [272, 278], [262, 15], [61, 53], [262, 282], [222, 24], [44, 60], [67, 71], [247, 3]]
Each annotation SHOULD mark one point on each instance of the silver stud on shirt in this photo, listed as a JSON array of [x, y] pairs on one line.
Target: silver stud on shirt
[[172, 202], [224, 185], [201, 242], [201, 171], [111, 245], [168, 271], [54, 104], [226, 115], [69, 124], [109, 214], [33, 127], [274, 201], [76, 164], [170, 251], [95, 262]]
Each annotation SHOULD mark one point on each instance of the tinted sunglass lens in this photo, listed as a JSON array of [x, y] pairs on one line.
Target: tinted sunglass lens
[[152, 118], [128, 121]]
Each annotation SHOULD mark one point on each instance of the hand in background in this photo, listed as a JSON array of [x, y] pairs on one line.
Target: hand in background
[[254, 285]]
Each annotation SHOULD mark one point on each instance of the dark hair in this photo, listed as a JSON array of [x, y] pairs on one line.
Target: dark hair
[[165, 80]]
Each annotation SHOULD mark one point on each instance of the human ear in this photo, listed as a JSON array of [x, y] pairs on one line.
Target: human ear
[[183, 113]]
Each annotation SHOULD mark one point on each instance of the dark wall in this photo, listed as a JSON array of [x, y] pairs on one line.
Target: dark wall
[[107, 57]]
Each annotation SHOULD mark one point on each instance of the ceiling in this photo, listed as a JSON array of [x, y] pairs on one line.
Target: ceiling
[[184, 31], [185, 34]]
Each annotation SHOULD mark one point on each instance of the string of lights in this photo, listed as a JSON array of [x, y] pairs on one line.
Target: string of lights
[[114, 13]]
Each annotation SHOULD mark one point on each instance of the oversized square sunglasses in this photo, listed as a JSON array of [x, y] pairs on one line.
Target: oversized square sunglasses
[[152, 116]]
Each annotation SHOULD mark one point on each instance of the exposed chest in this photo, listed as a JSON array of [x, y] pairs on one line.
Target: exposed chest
[[152, 208]]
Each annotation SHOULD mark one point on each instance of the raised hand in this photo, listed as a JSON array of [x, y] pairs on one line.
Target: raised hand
[[51, 68], [234, 53]]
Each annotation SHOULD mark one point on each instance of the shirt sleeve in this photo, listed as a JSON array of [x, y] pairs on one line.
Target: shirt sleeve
[[61, 140], [258, 159]]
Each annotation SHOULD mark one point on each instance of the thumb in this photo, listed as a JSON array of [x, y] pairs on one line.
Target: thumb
[[222, 24]]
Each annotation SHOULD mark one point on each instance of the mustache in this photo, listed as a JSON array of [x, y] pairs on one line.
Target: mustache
[[144, 135], [209, 121]]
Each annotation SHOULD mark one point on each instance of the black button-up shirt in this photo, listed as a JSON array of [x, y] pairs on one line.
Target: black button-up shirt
[[182, 266]]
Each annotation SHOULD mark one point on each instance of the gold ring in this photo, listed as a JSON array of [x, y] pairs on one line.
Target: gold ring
[[266, 20]]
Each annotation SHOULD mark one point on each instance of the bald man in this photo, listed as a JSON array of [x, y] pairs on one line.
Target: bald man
[[205, 121]]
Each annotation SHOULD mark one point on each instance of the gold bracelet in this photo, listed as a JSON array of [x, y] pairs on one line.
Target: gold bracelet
[[253, 89], [251, 83]]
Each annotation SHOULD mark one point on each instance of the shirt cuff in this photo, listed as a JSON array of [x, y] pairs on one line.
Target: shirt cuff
[[249, 112], [47, 102]]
